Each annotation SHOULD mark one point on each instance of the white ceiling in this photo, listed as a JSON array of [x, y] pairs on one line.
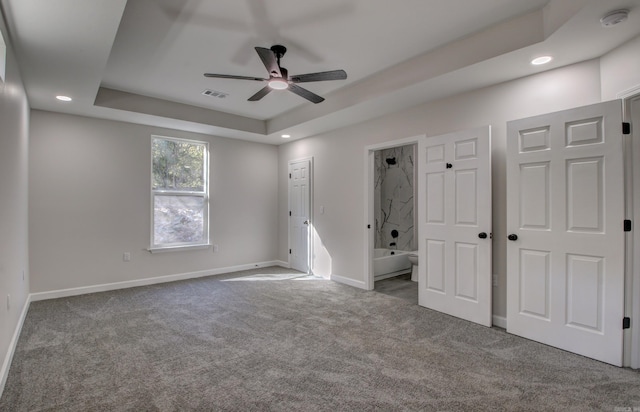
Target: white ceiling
[[143, 61]]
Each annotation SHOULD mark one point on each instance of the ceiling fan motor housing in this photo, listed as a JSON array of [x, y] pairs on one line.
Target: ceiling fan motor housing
[[278, 50]]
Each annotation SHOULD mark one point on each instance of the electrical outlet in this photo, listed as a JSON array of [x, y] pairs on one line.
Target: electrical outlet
[[216, 249], [126, 256]]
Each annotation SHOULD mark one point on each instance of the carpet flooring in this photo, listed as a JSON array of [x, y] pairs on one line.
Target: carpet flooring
[[401, 287], [276, 340]]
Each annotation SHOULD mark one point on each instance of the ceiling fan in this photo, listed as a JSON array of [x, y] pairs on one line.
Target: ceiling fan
[[279, 78]]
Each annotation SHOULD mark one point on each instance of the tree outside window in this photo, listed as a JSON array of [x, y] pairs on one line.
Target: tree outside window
[[179, 191]]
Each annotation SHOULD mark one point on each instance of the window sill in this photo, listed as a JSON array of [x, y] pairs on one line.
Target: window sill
[[178, 248]]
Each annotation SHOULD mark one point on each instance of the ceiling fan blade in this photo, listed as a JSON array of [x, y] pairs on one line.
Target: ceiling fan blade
[[318, 77], [268, 58], [261, 93], [231, 76], [312, 97]]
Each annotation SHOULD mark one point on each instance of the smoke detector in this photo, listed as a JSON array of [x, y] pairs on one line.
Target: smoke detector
[[614, 17]]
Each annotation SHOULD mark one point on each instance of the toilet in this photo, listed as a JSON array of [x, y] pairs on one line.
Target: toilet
[[413, 258]]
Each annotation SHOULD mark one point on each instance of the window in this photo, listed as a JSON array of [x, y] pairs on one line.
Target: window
[[179, 193], [3, 58]]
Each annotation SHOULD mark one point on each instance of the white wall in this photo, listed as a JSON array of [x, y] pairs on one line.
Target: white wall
[[14, 256], [620, 69], [89, 192], [339, 156]]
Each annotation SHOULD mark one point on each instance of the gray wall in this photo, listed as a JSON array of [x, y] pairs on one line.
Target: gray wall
[[339, 156], [14, 256], [90, 202]]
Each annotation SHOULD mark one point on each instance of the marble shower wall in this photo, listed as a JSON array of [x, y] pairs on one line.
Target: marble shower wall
[[394, 197]]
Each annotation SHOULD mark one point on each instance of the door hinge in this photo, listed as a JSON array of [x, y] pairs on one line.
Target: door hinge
[[626, 322], [289, 175], [368, 226], [626, 128], [289, 251], [289, 212], [627, 225]]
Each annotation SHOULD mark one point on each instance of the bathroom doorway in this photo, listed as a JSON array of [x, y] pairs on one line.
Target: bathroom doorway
[[391, 209]]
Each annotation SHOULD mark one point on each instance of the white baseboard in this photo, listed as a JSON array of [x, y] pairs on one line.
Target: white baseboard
[[499, 321], [4, 372], [348, 281], [63, 293]]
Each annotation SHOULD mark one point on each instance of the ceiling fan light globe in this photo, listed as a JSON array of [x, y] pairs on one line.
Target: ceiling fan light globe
[[278, 84]]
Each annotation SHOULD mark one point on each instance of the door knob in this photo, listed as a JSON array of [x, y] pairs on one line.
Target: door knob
[[306, 222], [449, 165], [512, 237], [482, 235]]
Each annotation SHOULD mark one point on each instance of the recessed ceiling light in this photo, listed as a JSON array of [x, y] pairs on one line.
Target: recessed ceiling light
[[286, 136], [541, 60], [64, 98]]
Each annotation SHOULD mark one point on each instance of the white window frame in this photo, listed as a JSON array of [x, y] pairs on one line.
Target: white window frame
[[205, 243], [3, 59]]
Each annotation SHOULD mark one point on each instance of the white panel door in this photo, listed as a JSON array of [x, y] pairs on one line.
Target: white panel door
[[454, 199], [565, 212], [299, 212]]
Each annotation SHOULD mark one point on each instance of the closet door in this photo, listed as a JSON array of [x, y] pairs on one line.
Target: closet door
[[565, 212], [299, 214], [454, 198]]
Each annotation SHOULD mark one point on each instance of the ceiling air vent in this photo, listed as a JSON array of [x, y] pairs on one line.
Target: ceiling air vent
[[215, 93]]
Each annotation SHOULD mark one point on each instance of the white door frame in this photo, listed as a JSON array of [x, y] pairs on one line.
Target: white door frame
[[369, 213], [631, 99], [311, 227]]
